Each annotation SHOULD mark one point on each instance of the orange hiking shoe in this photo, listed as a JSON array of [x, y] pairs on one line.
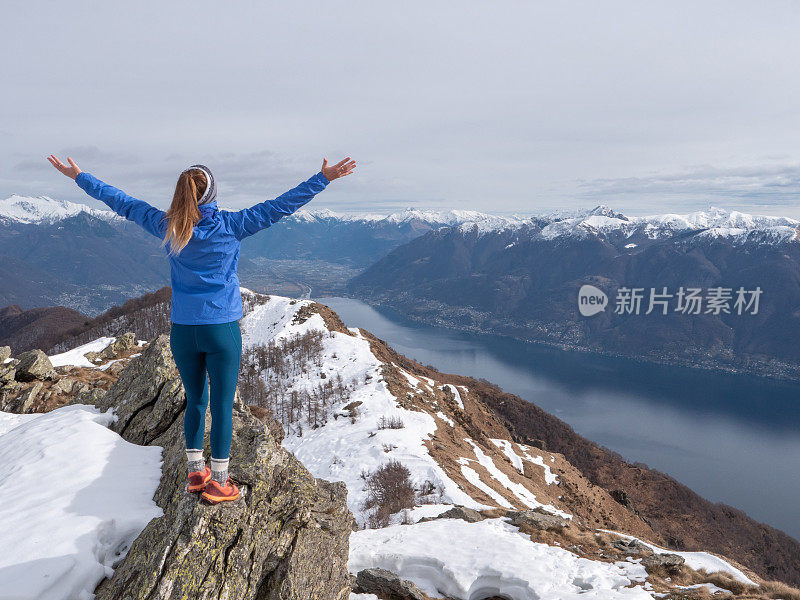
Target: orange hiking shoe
[[199, 479], [215, 493]]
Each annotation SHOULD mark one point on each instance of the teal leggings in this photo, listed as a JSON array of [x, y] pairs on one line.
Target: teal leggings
[[215, 349]]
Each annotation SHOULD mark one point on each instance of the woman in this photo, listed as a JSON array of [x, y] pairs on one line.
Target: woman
[[202, 245]]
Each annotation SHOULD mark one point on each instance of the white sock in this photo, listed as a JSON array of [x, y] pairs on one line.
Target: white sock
[[194, 460], [219, 469], [193, 455]]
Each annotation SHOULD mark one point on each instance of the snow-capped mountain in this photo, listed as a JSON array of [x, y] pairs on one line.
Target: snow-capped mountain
[[43, 209], [432, 218], [487, 514], [602, 219], [716, 222]]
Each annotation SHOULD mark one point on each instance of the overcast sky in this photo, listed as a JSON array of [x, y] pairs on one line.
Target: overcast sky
[[514, 106]]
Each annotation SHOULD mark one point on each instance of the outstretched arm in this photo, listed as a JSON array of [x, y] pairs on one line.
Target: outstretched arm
[[252, 220], [133, 209]]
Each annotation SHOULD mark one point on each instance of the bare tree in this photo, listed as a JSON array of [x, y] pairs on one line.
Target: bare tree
[[389, 490]]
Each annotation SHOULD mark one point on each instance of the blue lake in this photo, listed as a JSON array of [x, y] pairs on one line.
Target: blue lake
[[731, 438]]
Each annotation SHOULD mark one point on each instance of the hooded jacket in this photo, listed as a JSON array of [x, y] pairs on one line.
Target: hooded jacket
[[205, 282]]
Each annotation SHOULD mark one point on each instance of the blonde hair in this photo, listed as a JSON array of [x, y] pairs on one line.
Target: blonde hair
[[183, 213]]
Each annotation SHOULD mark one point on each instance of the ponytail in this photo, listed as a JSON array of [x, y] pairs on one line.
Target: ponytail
[[183, 213]]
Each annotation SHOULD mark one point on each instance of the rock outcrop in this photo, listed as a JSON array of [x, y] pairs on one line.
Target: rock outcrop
[[670, 562], [470, 515], [287, 537], [34, 364], [30, 383], [537, 519], [8, 369], [386, 584], [123, 343], [633, 546]]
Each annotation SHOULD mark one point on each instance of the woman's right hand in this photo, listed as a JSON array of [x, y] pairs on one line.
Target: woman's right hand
[[70, 171]]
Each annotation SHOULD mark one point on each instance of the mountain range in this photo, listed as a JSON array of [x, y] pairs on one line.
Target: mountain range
[[715, 288], [687, 271]]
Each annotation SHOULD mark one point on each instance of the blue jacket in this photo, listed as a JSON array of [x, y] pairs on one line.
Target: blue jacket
[[205, 282]]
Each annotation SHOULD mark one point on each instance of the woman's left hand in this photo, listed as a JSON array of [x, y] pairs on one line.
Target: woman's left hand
[[340, 169], [71, 171]]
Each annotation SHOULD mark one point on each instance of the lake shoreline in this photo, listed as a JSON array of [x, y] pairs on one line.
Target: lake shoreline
[[774, 370]]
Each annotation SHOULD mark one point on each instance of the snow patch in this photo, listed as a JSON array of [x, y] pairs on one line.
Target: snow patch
[[456, 394], [472, 476], [476, 560], [412, 380], [445, 418], [67, 537], [695, 560], [520, 491], [508, 450], [76, 355], [549, 476], [412, 515], [712, 589]]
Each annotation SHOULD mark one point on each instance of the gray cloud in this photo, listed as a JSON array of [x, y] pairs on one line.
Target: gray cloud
[[508, 107], [775, 187]]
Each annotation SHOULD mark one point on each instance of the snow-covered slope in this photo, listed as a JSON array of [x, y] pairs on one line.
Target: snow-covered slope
[[74, 496], [343, 448], [44, 209], [340, 449]]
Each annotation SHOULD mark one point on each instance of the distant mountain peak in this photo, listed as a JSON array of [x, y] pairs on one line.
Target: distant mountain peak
[[43, 209], [605, 211]]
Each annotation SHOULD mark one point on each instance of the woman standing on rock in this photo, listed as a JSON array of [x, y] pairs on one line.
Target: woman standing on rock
[[202, 245]]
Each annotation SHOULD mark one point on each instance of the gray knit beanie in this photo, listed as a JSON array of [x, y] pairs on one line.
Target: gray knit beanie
[[211, 187]]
